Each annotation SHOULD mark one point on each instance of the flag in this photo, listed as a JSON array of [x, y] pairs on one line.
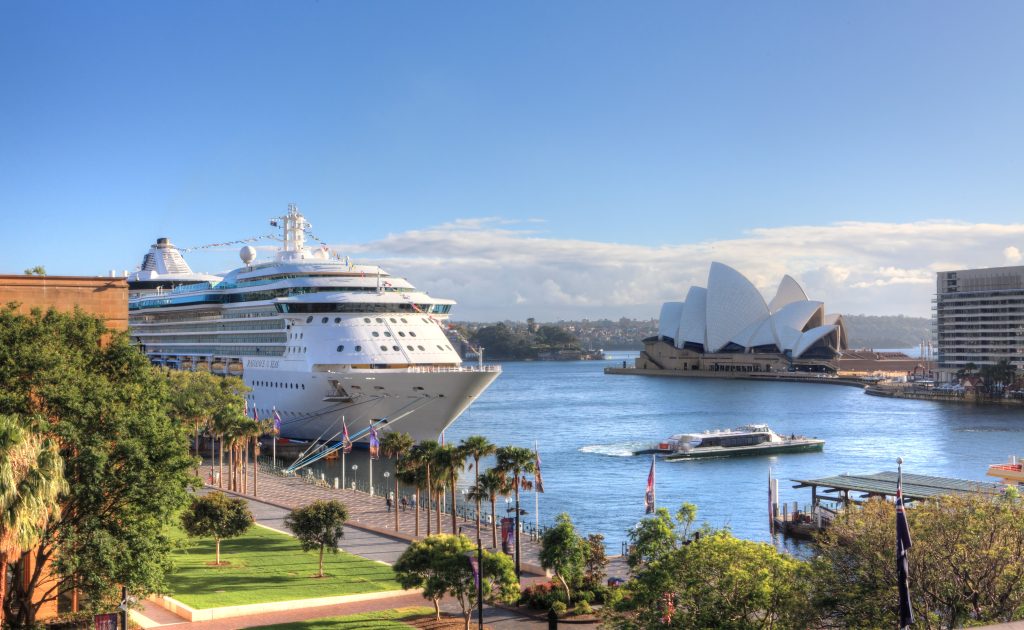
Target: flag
[[903, 544], [476, 570], [277, 421], [374, 444], [510, 536], [346, 443], [538, 481], [649, 496], [255, 412]]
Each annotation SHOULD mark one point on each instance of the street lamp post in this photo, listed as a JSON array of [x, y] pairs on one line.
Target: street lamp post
[[480, 579], [355, 467], [386, 486]]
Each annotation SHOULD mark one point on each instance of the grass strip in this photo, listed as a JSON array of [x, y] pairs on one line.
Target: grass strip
[[266, 566], [377, 620]]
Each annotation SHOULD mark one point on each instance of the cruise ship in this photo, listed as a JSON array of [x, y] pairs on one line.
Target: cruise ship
[[318, 339]]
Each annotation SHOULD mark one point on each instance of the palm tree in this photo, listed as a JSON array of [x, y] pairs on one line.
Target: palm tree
[[517, 461], [396, 446], [451, 460], [423, 455], [477, 447], [493, 484], [31, 483], [412, 475]]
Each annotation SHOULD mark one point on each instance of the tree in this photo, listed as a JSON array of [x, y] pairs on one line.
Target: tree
[[396, 446], [196, 397], [318, 525], [493, 484], [216, 516], [449, 461], [126, 461], [38, 270], [477, 447], [563, 551], [596, 561], [31, 484], [422, 455], [965, 566], [517, 461], [440, 565], [716, 581]]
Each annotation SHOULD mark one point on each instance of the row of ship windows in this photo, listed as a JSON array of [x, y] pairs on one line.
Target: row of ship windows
[[396, 348], [380, 320], [279, 385]]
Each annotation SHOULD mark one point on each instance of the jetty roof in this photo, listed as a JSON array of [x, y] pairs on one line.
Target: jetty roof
[[914, 486]]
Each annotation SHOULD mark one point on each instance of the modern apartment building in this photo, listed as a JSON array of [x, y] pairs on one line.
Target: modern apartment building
[[979, 318]]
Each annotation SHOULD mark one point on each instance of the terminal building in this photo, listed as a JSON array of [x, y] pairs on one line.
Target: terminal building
[[729, 327], [978, 318]]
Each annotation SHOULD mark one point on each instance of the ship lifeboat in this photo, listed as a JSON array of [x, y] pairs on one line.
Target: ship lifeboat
[[186, 364], [217, 365], [203, 364], [235, 367]]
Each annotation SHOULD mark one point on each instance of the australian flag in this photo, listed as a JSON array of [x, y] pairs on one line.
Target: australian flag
[[277, 422], [538, 481], [903, 544], [374, 444]]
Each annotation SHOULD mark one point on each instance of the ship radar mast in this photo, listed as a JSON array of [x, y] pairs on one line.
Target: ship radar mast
[[294, 226]]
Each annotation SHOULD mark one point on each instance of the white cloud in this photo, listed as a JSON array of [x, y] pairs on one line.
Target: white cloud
[[498, 269]]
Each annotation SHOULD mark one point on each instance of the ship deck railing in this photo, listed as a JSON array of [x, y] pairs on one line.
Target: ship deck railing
[[433, 369]]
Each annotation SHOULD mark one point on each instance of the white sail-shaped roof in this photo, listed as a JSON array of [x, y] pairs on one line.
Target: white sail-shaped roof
[[808, 338], [733, 304], [693, 323], [789, 291], [799, 314], [668, 322]]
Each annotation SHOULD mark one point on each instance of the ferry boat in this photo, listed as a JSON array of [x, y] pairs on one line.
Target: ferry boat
[[749, 439], [1011, 474], [316, 337]]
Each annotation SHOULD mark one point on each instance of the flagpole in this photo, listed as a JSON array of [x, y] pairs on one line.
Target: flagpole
[[654, 493]]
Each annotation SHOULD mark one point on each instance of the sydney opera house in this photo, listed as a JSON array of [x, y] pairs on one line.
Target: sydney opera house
[[729, 327]]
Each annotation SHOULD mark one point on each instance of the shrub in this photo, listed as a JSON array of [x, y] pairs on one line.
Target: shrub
[[584, 596], [542, 596], [559, 608], [583, 608]]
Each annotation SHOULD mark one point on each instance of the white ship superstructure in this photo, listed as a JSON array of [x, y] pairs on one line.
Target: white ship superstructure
[[316, 337]]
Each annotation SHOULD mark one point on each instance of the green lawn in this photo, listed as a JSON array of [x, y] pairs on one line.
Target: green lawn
[[380, 620], [267, 567]]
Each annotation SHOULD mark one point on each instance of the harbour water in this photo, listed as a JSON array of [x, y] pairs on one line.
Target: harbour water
[[586, 423]]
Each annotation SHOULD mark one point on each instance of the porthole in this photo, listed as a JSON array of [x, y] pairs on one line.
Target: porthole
[[384, 348], [323, 321], [309, 319], [425, 320], [341, 348], [387, 334], [440, 348], [357, 387], [377, 387], [359, 348], [418, 388], [421, 348], [412, 334], [303, 386], [394, 321], [410, 348], [401, 334], [337, 320], [395, 348], [376, 334], [366, 319], [403, 321], [449, 347], [380, 320]]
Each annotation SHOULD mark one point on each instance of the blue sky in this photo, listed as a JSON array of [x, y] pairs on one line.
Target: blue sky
[[406, 130]]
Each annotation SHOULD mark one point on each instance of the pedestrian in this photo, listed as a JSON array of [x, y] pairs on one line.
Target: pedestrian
[[389, 502], [412, 501], [404, 503]]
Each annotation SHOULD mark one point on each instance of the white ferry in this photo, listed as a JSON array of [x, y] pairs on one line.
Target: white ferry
[[749, 439], [316, 337]]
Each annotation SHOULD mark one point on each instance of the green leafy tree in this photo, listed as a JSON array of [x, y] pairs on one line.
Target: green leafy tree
[[319, 525], [31, 484], [126, 461], [440, 565], [38, 270], [217, 516], [597, 560], [965, 565], [518, 462], [564, 552], [196, 398], [396, 446], [422, 456], [652, 539], [449, 461], [493, 484]]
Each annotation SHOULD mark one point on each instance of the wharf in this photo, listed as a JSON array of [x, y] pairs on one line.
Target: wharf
[[909, 391], [787, 377]]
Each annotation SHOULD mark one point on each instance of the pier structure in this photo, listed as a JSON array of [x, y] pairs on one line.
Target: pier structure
[[830, 495]]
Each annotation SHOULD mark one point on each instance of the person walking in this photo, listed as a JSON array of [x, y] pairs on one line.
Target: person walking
[[403, 503], [388, 502]]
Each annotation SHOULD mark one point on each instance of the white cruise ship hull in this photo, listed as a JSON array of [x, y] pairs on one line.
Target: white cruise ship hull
[[312, 405]]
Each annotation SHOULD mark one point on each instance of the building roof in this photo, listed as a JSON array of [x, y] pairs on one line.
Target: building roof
[[914, 486]]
